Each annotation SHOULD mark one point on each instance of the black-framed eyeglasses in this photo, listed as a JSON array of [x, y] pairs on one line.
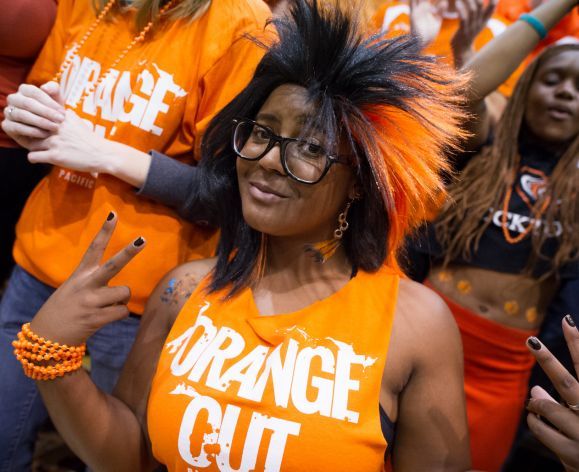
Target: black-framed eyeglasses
[[303, 160]]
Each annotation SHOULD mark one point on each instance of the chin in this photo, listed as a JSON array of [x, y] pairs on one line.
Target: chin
[[556, 137], [555, 134], [271, 226]]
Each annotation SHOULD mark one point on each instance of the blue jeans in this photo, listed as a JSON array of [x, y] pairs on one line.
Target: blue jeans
[[21, 408]]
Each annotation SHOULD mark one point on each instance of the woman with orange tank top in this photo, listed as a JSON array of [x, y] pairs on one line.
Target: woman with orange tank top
[[299, 346]]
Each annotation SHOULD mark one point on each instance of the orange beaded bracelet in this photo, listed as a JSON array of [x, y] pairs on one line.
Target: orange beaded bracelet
[[42, 359]]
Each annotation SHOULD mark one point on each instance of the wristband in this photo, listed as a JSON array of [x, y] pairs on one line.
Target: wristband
[[535, 24], [42, 359]]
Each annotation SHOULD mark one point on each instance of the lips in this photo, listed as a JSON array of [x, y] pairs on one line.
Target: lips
[[560, 112], [265, 193]]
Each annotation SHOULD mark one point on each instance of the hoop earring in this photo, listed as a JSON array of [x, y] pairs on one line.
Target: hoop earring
[[324, 250]]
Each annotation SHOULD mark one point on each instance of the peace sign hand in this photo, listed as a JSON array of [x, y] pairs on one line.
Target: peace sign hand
[[563, 441], [84, 303]]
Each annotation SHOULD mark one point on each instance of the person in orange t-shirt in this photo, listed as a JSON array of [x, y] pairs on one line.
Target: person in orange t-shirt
[[137, 76], [301, 334]]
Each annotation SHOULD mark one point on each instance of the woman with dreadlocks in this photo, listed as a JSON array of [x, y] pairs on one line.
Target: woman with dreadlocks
[[504, 247], [265, 358]]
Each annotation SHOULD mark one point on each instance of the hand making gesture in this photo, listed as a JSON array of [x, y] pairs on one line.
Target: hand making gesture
[[426, 18], [474, 16], [86, 302], [563, 438]]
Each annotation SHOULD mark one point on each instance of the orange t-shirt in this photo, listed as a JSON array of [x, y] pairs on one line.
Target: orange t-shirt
[[394, 18], [161, 96], [566, 29], [299, 391]]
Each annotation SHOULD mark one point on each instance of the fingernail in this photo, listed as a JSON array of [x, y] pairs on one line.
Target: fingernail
[[111, 216], [138, 242], [534, 343], [527, 401], [570, 321]]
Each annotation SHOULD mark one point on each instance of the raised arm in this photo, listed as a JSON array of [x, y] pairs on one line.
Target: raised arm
[[106, 432], [499, 58]]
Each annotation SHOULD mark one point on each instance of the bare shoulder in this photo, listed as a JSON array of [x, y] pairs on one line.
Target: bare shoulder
[[175, 288], [421, 305], [424, 318]]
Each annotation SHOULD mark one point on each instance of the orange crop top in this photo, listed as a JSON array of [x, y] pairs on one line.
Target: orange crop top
[[298, 391]]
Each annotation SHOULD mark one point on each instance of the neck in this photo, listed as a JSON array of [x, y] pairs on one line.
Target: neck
[[529, 142], [288, 260]]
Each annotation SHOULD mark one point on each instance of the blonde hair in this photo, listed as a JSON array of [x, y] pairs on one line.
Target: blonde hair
[[148, 10]]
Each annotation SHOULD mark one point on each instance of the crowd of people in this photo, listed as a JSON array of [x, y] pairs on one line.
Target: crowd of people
[[295, 235]]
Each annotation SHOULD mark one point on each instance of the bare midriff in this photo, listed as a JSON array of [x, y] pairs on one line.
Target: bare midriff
[[514, 300]]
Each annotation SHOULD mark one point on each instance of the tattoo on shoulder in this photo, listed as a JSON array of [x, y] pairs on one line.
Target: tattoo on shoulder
[[179, 289]]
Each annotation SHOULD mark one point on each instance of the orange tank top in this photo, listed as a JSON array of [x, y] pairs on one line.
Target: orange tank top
[[236, 391]]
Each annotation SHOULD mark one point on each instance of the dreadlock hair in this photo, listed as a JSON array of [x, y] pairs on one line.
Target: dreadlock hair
[[396, 111], [486, 178]]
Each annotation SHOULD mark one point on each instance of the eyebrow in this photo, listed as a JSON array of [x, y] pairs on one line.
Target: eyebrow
[[267, 117], [557, 69], [302, 120]]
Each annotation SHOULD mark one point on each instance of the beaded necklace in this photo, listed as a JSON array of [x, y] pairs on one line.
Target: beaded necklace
[[504, 223], [139, 38]]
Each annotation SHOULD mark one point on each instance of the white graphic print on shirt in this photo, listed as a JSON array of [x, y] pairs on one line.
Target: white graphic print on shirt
[[531, 185], [290, 377], [119, 97]]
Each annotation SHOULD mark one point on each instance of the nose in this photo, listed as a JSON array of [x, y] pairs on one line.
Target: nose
[[566, 90], [271, 161]]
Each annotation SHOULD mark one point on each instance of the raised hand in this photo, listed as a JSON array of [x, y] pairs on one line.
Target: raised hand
[[85, 302], [474, 16], [426, 18], [564, 440], [32, 114]]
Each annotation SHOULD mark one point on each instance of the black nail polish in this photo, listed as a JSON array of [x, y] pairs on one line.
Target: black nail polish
[[139, 242], [111, 216], [534, 343], [570, 321]]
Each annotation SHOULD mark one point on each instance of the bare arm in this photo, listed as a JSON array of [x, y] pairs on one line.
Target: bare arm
[[499, 58], [431, 406], [106, 432]]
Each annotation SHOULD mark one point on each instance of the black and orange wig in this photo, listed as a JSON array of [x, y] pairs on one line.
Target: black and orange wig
[[396, 110]]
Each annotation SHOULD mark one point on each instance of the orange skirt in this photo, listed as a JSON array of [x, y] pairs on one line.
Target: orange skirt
[[497, 366]]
